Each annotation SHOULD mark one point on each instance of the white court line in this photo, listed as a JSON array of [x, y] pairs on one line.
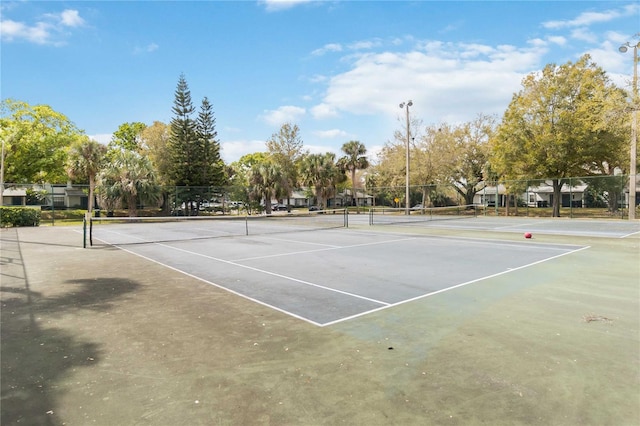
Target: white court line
[[517, 225], [628, 235], [433, 293], [296, 241], [229, 262], [295, 253], [221, 287]]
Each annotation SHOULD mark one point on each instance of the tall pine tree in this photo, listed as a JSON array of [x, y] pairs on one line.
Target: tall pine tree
[[184, 137], [184, 146], [212, 169], [195, 165]]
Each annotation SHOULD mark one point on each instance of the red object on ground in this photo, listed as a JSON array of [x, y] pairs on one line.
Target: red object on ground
[[527, 235]]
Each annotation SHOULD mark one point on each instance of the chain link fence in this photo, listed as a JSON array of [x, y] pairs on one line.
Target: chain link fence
[[593, 196]]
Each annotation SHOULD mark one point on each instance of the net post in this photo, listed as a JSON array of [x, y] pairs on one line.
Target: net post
[[246, 224], [346, 218], [84, 230]]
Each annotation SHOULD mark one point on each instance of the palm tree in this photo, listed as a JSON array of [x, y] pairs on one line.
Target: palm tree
[[84, 161], [129, 178], [321, 172], [267, 181], [354, 160]]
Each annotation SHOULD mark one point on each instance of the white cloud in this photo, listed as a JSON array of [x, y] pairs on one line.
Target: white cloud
[[559, 40], [151, 47], [232, 151], [317, 78], [365, 44], [446, 81], [12, 30], [71, 18], [282, 115], [49, 30], [589, 18], [277, 5], [321, 149], [584, 35], [331, 47], [322, 111], [103, 138], [331, 134]]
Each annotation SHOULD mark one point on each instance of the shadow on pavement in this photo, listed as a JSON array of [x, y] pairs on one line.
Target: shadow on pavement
[[35, 357]]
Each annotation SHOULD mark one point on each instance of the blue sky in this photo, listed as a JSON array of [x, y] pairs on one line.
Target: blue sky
[[337, 69]]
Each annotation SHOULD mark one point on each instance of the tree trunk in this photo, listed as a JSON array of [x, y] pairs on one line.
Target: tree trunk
[[267, 204], [131, 200], [92, 186], [507, 204]]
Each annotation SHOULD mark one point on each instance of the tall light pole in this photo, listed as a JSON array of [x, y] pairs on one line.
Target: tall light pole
[[406, 193], [634, 129]]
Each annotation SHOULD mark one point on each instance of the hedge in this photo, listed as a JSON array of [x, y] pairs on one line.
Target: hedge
[[19, 216]]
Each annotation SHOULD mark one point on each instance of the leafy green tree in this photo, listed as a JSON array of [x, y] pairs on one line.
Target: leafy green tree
[[286, 150], [239, 174], [36, 139], [127, 180], [431, 161], [321, 172], [355, 159], [84, 161], [128, 136], [558, 125], [470, 155], [154, 142]]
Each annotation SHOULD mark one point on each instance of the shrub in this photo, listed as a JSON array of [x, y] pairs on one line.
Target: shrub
[[19, 216]]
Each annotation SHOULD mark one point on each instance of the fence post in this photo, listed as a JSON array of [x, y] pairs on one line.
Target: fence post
[[497, 197], [571, 198], [527, 183]]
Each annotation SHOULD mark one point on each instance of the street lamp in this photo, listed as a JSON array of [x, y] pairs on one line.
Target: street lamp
[[406, 194], [634, 129]]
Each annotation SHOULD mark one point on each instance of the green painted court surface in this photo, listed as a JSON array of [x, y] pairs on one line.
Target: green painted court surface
[[446, 322]]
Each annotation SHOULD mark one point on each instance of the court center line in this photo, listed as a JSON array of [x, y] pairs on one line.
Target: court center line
[[298, 242], [251, 268], [295, 253]]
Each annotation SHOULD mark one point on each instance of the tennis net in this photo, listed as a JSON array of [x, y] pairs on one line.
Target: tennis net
[[143, 230], [390, 215]]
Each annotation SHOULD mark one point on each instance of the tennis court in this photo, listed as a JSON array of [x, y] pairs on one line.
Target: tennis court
[[545, 226], [339, 273], [307, 321]]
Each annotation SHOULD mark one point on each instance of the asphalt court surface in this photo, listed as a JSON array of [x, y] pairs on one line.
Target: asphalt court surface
[[548, 226], [330, 276]]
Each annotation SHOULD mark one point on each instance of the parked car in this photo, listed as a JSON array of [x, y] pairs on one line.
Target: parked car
[[279, 207]]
